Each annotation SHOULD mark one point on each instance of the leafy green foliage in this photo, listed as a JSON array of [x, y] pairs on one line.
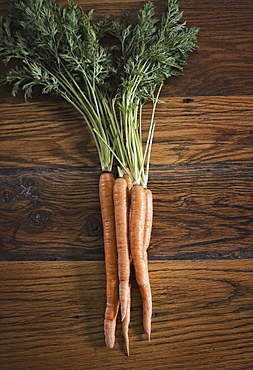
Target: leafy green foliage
[[55, 40], [61, 50], [151, 50]]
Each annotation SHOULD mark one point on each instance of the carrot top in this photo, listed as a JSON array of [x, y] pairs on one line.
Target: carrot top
[[61, 51], [150, 52]]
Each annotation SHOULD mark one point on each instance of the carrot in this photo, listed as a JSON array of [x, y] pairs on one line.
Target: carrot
[[120, 198], [129, 183], [137, 224], [106, 183], [126, 321], [148, 221]]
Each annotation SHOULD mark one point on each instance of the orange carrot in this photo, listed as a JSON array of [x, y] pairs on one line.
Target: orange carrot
[[120, 197], [129, 183], [106, 183], [148, 221], [137, 224], [126, 321]]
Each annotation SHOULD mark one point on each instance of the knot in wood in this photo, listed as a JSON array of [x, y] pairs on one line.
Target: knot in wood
[[39, 218], [28, 183], [7, 196], [93, 225], [188, 100]]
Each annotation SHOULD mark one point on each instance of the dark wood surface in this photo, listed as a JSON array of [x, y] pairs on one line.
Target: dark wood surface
[[52, 271], [53, 317]]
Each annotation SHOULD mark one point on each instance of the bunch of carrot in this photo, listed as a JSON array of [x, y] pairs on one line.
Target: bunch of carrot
[[127, 214], [60, 50]]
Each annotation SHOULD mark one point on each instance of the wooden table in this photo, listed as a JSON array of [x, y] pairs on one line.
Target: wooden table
[[52, 265]]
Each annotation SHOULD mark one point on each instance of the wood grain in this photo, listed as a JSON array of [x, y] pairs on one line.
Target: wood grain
[[202, 130], [199, 213], [52, 317]]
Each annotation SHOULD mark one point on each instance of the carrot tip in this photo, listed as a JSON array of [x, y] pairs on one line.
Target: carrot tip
[[149, 336], [109, 342], [127, 344], [109, 331]]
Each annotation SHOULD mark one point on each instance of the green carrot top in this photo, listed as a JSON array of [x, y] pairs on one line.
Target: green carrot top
[[61, 50]]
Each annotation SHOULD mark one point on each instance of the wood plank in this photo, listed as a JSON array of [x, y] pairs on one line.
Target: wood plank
[[51, 211], [52, 317], [199, 213], [202, 212], [45, 135], [202, 130]]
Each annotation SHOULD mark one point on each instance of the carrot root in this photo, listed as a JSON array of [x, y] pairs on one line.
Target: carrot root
[[145, 291], [126, 321], [106, 183], [146, 241], [137, 227], [109, 329], [129, 183], [148, 220], [120, 196]]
